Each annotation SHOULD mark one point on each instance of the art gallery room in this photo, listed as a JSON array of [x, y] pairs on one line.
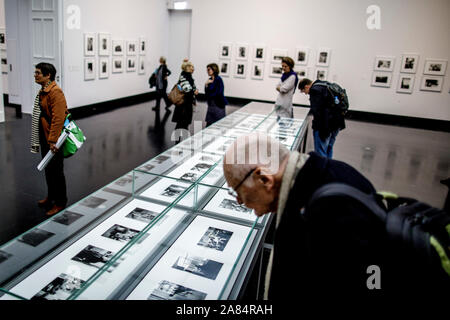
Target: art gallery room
[[148, 214]]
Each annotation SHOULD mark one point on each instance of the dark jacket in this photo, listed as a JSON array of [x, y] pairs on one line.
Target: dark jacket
[[329, 251], [183, 113], [215, 92], [53, 111], [324, 120], [164, 74]]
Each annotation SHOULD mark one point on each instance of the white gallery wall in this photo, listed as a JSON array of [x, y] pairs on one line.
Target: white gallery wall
[[407, 26], [123, 20]]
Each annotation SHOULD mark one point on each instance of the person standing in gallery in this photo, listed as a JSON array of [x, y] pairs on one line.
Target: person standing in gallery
[[49, 113], [214, 90], [182, 115], [161, 84], [286, 88]]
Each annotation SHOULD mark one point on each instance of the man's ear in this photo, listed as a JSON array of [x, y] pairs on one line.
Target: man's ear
[[265, 177]]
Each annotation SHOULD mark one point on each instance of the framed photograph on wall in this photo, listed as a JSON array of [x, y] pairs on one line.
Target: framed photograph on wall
[[405, 83], [431, 83], [258, 70], [242, 51], [117, 47], [384, 63], [142, 46], [321, 74], [435, 67], [302, 72], [323, 57], [131, 64], [225, 50], [117, 64], [141, 65], [89, 44], [301, 56], [104, 44], [89, 69], [224, 68], [240, 70], [381, 79], [275, 70], [259, 53], [132, 47], [103, 68], [278, 54], [410, 61], [2, 39]]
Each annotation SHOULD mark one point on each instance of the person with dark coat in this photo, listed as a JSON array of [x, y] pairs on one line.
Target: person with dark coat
[[49, 113], [214, 91], [161, 84], [326, 124], [329, 252], [182, 115]]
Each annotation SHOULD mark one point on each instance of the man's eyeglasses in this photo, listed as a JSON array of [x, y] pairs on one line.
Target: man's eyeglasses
[[233, 191]]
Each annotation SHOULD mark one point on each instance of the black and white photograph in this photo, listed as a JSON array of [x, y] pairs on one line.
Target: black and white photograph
[[321, 74], [199, 266], [117, 65], [383, 63], [190, 176], [93, 202], [4, 256], [258, 71], [35, 237], [59, 289], [142, 46], [435, 67], [146, 167], [160, 159], [301, 56], [167, 290], [323, 57], [409, 63], [259, 53], [89, 69], [302, 72], [224, 69], [278, 54], [118, 47], [89, 44], [4, 62], [142, 215], [240, 70], [93, 256], [123, 181], [431, 83], [141, 65], [174, 190], [225, 50], [67, 218], [103, 68], [201, 167], [104, 44], [234, 205], [381, 79], [275, 70], [120, 233], [131, 64], [215, 238], [2, 39], [405, 83], [132, 47], [242, 52]]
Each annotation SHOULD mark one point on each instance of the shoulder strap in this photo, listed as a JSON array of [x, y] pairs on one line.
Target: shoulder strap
[[344, 190]]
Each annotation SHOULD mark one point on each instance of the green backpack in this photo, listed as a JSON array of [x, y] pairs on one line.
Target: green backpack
[[75, 137]]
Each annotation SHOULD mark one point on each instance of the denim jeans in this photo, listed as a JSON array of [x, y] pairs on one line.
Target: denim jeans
[[325, 147]]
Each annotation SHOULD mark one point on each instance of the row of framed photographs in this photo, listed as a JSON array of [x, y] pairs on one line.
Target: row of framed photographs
[[258, 54], [409, 64], [406, 82], [102, 45], [258, 68], [107, 65]]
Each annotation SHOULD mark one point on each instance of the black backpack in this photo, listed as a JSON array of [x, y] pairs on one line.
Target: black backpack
[[152, 80], [417, 237], [339, 98]]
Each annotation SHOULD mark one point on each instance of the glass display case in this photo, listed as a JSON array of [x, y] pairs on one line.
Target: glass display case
[[166, 230]]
